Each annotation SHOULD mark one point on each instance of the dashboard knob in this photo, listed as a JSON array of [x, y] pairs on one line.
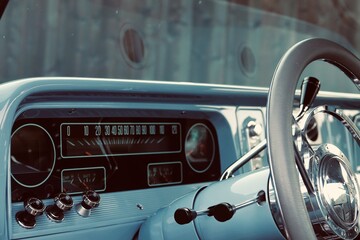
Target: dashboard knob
[[184, 215], [91, 199], [33, 207], [255, 129], [222, 212], [63, 203]]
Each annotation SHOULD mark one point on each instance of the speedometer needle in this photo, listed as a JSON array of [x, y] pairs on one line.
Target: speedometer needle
[[88, 154]]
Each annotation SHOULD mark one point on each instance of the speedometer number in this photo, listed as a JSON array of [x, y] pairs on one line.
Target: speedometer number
[[86, 130], [68, 131], [107, 130], [97, 130], [119, 138]]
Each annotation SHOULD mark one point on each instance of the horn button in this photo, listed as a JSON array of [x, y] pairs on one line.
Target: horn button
[[337, 190]]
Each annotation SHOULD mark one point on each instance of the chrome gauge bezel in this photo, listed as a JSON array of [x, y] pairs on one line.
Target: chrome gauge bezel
[[320, 166], [54, 156], [212, 147]]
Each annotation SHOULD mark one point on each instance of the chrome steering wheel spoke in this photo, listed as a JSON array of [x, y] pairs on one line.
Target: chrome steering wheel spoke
[[303, 153], [339, 115]]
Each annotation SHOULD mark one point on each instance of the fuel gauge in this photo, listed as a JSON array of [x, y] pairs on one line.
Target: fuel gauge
[[79, 180]]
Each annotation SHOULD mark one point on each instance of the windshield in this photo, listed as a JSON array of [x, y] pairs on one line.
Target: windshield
[[219, 42]]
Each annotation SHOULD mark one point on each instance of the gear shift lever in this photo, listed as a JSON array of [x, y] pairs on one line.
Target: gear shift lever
[[309, 89]]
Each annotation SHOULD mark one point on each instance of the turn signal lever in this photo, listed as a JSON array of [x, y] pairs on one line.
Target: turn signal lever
[[221, 212]]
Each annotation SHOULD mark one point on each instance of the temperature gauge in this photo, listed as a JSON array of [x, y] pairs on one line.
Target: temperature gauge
[[80, 180]]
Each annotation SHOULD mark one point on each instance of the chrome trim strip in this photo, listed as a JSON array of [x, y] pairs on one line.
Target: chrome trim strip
[[243, 160]]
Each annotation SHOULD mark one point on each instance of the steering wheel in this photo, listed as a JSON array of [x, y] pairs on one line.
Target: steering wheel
[[285, 175]]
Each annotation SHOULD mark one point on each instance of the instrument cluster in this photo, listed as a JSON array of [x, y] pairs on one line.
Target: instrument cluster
[[107, 154]]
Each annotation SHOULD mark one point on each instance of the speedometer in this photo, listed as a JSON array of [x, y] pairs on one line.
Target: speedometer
[[81, 140]]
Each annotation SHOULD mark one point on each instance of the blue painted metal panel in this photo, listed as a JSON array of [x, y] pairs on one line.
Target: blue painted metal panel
[[219, 103], [244, 224], [23, 95]]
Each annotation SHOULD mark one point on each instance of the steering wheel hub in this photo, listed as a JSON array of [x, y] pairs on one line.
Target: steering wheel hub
[[337, 190]]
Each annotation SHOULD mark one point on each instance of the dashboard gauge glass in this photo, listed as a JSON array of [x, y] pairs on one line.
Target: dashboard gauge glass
[[116, 139], [164, 173], [199, 148], [78, 180], [32, 155]]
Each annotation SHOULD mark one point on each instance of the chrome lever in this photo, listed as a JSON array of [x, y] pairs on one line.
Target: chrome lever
[[221, 212], [243, 160]]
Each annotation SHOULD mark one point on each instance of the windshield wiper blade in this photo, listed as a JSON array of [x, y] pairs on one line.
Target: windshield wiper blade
[[3, 4]]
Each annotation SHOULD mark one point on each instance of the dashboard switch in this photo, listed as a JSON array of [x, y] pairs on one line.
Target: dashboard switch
[[91, 200], [63, 203], [33, 207], [255, 129]]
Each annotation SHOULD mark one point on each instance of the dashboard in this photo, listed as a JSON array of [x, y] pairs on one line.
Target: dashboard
[[116, 151], [110, 153], [132, 149]]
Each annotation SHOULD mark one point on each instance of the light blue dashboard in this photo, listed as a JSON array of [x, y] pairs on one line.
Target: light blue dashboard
[[232, 119]]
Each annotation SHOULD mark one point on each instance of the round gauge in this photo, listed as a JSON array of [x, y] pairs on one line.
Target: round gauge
[[32, 155], [199, 147]]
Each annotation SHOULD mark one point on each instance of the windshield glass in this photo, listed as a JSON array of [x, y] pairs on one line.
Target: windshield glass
[[220, 42]]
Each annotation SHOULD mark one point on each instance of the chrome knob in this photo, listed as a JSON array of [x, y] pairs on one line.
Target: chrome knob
[[91, 199], [63, 203], [33, 207], [255, 129]]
